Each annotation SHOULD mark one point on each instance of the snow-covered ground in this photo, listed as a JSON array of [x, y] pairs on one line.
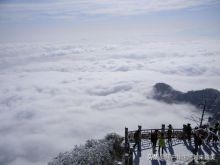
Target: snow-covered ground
[[180, 153], [54, 96]]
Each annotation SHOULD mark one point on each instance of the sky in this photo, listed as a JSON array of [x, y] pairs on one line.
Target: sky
[[57, 20], [76, 70]]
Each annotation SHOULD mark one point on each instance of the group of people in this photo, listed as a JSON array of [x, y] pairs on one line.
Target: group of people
[[206, 135], [156, 137], [187, 132], [199, 135]]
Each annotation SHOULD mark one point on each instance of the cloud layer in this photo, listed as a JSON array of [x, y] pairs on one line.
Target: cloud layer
[[54, 96]]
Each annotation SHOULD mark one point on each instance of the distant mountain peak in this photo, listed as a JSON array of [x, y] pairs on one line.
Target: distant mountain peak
[[163, 88], [164, 92]]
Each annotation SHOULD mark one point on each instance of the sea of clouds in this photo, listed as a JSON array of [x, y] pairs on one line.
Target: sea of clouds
[[57, 95]]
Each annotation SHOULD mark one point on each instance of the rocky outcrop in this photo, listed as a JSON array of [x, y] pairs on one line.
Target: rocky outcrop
[[209, 96]]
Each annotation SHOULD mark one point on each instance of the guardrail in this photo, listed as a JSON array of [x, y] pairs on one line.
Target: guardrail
[[145, 134]]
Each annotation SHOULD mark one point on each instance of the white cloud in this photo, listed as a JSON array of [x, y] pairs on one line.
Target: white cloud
[[54, 96], [105, 91], [131, 7]]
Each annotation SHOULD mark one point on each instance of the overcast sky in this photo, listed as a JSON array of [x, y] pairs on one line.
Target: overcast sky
[[47, 20]]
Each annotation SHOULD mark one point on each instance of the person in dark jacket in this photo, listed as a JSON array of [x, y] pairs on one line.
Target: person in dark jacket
[[197, 142], [154, 138], [184, 131], [136, 138], [189, 132], [169, 134]]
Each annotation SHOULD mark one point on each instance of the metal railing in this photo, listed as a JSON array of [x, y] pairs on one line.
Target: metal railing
[[145, 134], [178, 135]]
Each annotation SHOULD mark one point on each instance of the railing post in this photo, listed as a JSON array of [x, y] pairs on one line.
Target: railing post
[[126, 140], [131, 156], [163, 128], [126, 159], [139, 143], [126, 135], [126, 148]]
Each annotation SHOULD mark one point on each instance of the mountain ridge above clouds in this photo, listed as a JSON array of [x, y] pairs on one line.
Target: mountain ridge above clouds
[[166, 93]]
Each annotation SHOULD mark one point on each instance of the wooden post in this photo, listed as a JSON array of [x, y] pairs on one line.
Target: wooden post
[[139, 143], [126, 148], [131, 156], [163, 128], [150, 133], [126, 159], [126, 139], [126, 135]]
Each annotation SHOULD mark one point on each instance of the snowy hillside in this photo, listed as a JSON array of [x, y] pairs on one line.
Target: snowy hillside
[[95, 152]]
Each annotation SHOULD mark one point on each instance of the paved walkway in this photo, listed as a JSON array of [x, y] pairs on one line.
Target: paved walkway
[[180, 153]]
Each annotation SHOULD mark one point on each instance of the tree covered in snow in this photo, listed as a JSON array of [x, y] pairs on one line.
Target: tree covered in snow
[[95, 152]]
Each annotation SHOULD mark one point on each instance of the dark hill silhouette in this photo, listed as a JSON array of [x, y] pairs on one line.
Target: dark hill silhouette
[[166, 93]]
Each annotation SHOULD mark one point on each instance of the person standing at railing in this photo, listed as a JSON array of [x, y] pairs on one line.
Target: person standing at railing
[[154, 138], [169, 134], [197, 142], [184, 136], [162, 144], [137, 138], [189, 132]]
